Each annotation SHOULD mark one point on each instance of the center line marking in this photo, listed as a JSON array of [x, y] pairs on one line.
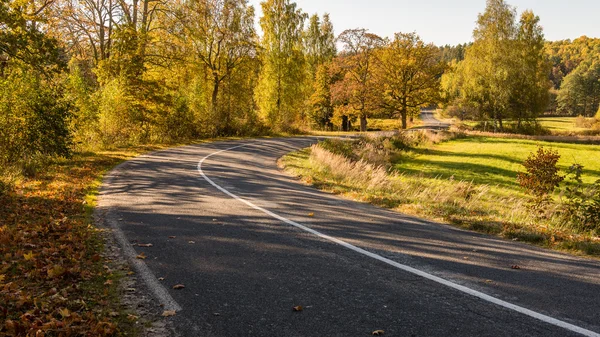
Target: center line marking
[[478, 294]]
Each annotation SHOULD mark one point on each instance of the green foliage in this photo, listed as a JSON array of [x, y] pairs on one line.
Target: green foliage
[[280, 93], [542, 176], [504, 74], [408, 72], [581, 205], [580, 90], [321, 109]]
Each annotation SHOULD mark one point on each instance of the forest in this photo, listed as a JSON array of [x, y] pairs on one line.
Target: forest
[[88, 74]]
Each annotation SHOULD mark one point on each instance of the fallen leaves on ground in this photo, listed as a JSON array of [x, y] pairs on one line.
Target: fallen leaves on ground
[[515, 267], [298, 308], [146, 245], [378, 333], [178, 286], [311, 214], [141, 256], [52, 275]]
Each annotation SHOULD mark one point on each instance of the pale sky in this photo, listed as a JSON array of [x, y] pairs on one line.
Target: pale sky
[[451, 21]]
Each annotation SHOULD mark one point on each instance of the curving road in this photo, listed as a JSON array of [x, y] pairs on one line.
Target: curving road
[[249, 243], [430, 122]]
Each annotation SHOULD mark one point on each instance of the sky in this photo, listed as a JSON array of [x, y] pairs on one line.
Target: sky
[[450, 21]]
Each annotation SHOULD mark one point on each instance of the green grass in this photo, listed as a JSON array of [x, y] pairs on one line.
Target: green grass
[[469, 182], [493, 161], [560, 124]]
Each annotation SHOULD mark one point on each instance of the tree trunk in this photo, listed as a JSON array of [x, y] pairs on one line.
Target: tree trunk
[[404, 119], [345, 123], [363, 123]]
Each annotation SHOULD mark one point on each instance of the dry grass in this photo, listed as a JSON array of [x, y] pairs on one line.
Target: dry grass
[[469, 204]]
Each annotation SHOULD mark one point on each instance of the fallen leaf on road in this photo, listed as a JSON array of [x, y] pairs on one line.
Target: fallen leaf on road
[[131, 290], [132, 317], [216, 314], [488, 281], [178, 286], [311, 214], [108, 282], [298, 308], [114, 314], [161, 278], [130, 273], [515, 267], [172, 237], [169, 313], [378, 333], [147, 245], [142, 256], [191, 242]]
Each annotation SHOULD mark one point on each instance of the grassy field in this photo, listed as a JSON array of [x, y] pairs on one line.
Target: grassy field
[[492, 161], [469, 182], [560, 124]]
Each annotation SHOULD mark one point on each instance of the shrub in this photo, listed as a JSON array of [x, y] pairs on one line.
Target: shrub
[[542, 176], [581, 208]]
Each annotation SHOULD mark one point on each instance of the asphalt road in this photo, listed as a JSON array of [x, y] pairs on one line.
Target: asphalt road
[[430, 122], [245, 263]]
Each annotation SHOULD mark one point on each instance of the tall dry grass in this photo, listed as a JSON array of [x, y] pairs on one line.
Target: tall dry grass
[[441, 198]]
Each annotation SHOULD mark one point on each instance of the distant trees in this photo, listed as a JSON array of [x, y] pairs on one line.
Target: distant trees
[[579, 93], [505, 72]]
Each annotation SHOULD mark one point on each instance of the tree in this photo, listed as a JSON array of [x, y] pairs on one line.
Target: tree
[[359, 93], [531, 89], [280, 93], [86, 26], [409, 72], [580, 91], [221, 35], [321, 108], [319, 43], [504, 74]]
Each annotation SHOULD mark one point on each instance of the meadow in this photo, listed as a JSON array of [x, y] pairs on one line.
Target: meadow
[[470, 182]]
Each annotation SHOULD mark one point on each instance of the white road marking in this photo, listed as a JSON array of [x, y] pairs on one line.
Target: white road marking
[[478, 294]]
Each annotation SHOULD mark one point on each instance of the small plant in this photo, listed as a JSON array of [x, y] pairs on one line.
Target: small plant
[[541, 177], [582, 203]]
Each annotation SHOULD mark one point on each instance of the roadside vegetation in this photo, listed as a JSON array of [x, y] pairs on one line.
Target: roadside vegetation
[[54, 277], [79, 79], [467, 181]]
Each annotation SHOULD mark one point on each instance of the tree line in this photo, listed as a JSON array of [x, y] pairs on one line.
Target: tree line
[[78, 74]]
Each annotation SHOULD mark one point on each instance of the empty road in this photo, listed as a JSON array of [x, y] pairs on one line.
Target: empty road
[[250, 243]]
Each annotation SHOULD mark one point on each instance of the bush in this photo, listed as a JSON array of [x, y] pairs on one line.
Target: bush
[[34, 119], [581, 208], [542, 176]]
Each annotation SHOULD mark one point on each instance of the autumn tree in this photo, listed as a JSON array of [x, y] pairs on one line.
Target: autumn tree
[[408, 71], [221, 36], [280, 93], [319, 43], [358, 88]]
